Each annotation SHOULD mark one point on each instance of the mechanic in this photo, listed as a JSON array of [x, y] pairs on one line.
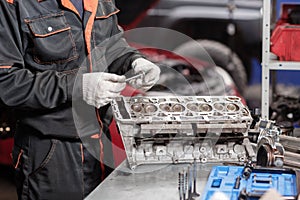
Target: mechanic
[[44, 46]]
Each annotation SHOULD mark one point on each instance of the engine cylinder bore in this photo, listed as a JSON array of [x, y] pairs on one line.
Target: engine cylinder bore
[[165, 107], [170, 107], [143, 108], [150, 108], [232, 107], [177, 108], [193, 107], [137, 107], [219, 106], [205, 108]]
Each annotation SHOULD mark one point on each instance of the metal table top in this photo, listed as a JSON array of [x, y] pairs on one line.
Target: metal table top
[[147, 182]]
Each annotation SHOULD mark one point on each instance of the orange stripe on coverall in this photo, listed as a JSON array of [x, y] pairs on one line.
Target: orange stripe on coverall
[[91, 6], [68, 4], [5, 67]]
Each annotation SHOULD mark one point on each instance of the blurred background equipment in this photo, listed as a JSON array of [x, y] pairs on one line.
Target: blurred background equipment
[[7, 129], [285, 39], [269, 151], [230, 31]]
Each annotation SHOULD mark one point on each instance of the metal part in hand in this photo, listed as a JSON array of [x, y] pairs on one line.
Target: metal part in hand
[[141, 75]]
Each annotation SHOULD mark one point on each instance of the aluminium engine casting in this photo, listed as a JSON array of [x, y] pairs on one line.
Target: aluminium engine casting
[[269, 151], [180, 129], [285, 110]]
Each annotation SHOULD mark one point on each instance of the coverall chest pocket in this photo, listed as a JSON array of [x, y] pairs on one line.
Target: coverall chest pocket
[[52, 39], [104, 21]]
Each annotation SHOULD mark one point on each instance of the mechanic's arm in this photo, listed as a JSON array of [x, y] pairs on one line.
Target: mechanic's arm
[[126, 58], [20, 87]]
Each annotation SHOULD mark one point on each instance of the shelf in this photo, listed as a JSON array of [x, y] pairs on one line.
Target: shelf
[[269, 64], [283, 65]]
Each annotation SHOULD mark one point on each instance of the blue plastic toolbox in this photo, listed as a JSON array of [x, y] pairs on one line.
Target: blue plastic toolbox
[[250, 183]]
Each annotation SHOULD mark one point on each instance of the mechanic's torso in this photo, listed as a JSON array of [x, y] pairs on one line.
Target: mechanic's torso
[[56, 38]]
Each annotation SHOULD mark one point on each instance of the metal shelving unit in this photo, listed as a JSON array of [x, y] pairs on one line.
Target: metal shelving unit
[[268, 63]]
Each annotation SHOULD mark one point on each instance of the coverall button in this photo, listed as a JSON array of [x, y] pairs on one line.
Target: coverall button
[[50, 28]]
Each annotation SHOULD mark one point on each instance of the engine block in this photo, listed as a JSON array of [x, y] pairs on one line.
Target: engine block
[[180, 129]]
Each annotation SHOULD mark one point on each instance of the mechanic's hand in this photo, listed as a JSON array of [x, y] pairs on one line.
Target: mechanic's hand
[[100, 87], [151, 74]]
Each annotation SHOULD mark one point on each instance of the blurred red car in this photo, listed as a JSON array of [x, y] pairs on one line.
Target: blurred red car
[[7, 128]]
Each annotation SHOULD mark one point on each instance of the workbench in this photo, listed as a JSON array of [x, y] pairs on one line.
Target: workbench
[[147, 182]]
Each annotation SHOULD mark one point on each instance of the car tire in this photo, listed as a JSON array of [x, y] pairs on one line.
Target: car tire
[[222, 57]]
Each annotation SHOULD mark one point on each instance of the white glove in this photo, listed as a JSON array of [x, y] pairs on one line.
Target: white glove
[[100, 87], [151, 74]]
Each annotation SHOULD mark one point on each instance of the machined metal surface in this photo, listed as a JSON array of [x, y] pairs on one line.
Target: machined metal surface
[[181, 129], [148, 182], [269, 151]]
